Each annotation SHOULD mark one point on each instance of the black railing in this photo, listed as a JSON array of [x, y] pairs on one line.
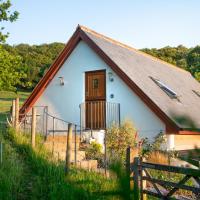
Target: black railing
[[99, 114]]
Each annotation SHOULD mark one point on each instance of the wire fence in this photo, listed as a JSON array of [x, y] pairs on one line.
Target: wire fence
[[56, 141], [54, 131], [4, 115]]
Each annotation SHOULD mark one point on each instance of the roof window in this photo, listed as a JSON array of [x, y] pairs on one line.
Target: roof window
[[196, 92], [165, 88]]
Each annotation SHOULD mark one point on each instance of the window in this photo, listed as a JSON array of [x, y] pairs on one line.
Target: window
[[165, 88], [95, 83], [196, 92]]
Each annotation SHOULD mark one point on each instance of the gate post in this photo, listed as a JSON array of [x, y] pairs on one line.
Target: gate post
[[128, 169], [143, 183], [136, 178]]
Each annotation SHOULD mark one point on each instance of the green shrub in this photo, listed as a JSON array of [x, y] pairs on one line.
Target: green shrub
[[118, 139], [94, 152], [148, 147]]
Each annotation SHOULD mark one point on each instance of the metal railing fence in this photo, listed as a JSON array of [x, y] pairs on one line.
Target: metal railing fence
[[99, 114]]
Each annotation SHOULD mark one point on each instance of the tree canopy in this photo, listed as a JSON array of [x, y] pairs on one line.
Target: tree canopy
[[6, 16], [11, 73], [186, 58], [33, 61]]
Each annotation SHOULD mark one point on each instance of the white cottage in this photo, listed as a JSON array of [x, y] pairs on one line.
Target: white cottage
[[96, 81]]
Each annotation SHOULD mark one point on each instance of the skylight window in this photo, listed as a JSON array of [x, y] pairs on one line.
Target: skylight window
[[165, 88], [196, 92]]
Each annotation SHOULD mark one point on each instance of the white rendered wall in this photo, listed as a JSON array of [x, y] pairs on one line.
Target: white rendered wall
[[183, 142], [63, 101], [170, 142]]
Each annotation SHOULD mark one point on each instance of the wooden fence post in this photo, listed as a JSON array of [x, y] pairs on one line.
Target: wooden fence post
[[143, 182], [13, 113], [68, 149], [33, 127], [17, 114], [128, 165], [136, 178]]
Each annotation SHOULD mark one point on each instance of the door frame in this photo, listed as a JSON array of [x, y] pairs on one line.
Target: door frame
[[95, 71]]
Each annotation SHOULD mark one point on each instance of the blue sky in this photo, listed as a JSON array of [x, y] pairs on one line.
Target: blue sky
[[139, 23]]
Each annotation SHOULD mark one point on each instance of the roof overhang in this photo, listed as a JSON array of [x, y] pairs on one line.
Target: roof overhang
[[187, 132]]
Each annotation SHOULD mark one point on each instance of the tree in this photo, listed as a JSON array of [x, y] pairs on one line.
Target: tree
[[6, 16], [35, 61], [11, 73], [193, 61], [188, 59], [174, 55], [197, 76]]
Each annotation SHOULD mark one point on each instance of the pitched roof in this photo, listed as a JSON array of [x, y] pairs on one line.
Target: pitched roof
[[137, 69]]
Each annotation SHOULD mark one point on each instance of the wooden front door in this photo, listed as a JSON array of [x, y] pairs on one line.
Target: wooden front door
[[95, 99]]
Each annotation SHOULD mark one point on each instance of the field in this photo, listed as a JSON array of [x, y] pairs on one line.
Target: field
[[6, 98]]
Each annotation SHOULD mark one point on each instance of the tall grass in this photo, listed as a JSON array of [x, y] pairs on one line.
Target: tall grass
[[47, 179], [11, 172]]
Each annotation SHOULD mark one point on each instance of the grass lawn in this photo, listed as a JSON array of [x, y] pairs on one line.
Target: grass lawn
[[6, 98]]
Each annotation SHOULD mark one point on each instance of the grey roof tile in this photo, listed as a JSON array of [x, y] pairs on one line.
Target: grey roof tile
[[139, 66]]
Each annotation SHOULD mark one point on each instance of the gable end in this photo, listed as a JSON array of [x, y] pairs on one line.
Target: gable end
[[79, 34]]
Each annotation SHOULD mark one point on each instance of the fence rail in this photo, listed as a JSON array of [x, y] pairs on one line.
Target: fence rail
[[147, 184]]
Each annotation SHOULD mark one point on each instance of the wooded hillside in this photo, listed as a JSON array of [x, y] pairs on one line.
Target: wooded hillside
[[23, 65]]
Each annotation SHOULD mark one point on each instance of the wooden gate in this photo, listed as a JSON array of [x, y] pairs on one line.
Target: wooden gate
[[159, 180]]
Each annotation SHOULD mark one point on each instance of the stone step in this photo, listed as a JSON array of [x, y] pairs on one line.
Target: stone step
[[61, 155], [60, 146], [61, 138], [87, 164]]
